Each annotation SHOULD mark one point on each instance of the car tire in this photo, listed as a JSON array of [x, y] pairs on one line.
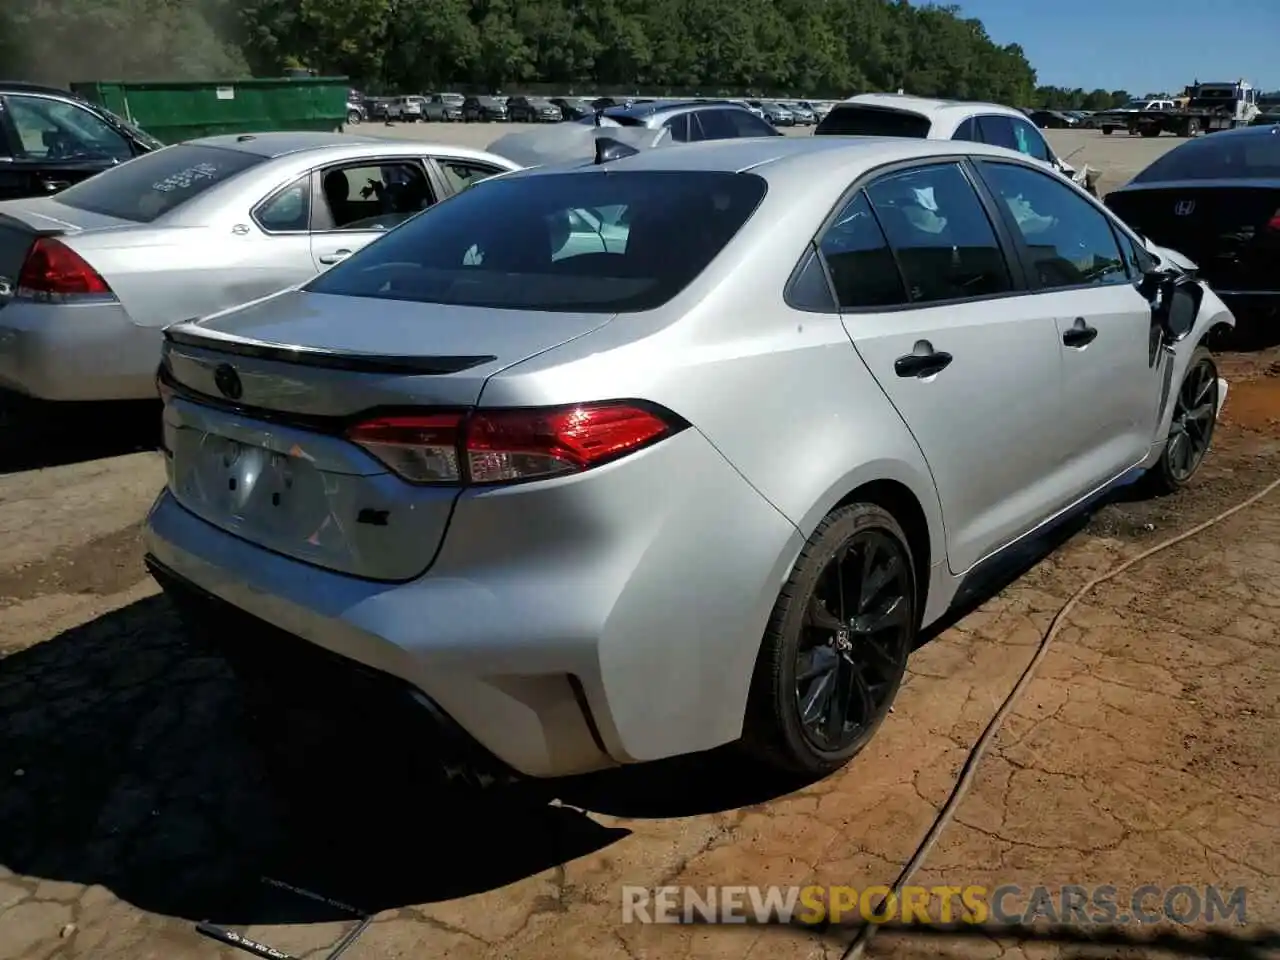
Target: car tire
[[867, 653], [1195, 415], [1106, 131]]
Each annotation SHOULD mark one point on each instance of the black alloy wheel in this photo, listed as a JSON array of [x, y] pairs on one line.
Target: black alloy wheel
[[1194, 417], [836, 649], [855, 643]]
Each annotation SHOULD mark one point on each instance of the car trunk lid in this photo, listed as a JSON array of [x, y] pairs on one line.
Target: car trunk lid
[[1222, 226], [261, 452]]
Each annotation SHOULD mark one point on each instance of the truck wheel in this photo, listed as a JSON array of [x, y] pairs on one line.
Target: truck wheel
[[1106, 131], [1150, 131], [353, 117]]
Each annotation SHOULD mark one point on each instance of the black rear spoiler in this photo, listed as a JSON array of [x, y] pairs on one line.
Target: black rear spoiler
[[182, 334]]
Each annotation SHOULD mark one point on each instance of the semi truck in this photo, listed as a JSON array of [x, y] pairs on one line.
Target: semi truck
[[1208, 107]]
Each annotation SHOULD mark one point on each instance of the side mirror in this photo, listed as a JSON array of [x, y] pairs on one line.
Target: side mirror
[[1175, 303]]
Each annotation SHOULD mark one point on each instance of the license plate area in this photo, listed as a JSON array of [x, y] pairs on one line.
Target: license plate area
[[241, 484]]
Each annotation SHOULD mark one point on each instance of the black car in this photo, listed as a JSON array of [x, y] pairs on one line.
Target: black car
[[533, 110], [1216, 200], [475, 109], [1052, 119], [50, 139], [377, 108], [573, 108]]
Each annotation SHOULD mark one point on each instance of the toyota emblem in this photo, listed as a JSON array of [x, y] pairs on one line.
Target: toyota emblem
[[228, 382], [1183, 208]]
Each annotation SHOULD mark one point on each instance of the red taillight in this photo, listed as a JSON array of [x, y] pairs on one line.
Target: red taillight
[[52, 269], [1274, 222], [502, 446]]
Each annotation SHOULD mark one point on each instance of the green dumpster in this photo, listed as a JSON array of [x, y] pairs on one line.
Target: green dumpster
[[184, 110]]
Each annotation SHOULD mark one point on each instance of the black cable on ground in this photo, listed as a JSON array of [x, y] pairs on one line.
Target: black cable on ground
[[945, 815]]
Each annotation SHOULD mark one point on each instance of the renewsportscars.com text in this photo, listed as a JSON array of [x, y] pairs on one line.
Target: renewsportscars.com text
[[1009, 904]]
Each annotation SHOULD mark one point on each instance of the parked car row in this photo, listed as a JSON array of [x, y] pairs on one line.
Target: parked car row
[[455, 107]]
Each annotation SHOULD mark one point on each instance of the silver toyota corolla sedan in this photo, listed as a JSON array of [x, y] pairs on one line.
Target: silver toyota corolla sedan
[[703, 485], [88, 278]]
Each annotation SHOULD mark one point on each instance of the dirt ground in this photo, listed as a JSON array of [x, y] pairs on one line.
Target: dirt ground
[[1145, 752]]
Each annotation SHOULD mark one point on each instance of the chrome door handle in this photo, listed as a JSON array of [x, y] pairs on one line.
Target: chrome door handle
[[336, 257]]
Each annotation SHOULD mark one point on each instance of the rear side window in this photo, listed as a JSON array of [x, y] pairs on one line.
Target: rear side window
[[998, 131], [859, 260], [150, 186], [574, 241], [731, 123], [968, 130], [853, 120], [946, 247]]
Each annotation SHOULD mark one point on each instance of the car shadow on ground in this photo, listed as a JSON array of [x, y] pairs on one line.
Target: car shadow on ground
[[125, 763], [39, 435]]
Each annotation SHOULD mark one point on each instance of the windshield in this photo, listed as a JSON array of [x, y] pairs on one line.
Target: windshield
[[1135, 104], [852, 120], [572, 241], [1236, 156], [148, 187]]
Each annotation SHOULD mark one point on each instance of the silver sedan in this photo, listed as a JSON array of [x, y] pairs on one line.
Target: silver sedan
[[598, 468], [88, 278]]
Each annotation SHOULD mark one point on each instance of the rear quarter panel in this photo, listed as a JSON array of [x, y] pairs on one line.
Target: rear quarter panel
[[166, 275]]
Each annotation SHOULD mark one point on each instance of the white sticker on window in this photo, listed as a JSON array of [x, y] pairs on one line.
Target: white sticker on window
[[185, 178]]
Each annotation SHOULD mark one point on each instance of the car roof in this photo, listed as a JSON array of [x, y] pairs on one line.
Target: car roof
[[788, 159], [933, 108]]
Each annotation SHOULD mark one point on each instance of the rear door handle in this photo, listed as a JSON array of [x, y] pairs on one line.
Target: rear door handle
[[1081, 335], [336, 257], [921, 364]]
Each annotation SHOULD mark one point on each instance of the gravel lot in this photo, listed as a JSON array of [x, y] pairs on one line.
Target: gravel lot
[[1147, 750]]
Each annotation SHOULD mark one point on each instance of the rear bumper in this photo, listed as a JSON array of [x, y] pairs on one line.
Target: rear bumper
[[328, 676], [89, 351], [565, 629]]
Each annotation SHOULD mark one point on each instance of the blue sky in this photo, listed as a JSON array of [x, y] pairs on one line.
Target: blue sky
[[1136, 46]]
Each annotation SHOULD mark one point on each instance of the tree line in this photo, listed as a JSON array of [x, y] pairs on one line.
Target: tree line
[[800, 48]]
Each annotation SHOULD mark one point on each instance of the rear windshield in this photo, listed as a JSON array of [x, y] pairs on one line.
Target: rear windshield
[[575, 241], [149, 186], [1230, 157], [856, 121]]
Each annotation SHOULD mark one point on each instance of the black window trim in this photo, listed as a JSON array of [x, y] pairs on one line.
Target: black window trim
[[275, 194], [320, 203], [1023, 251], [1004, 239]]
